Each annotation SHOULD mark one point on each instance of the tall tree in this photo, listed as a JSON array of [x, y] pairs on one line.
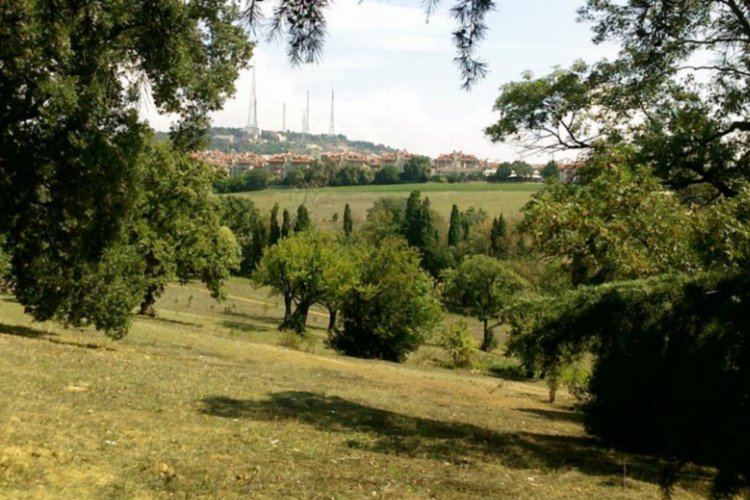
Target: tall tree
[[416, 169], [550, 170], [71, 140], [454, 229], [302, 222], [498, 243], [348, 223], [286, 224], [242, 217], [482, 287], [274, 232], [297, 269]]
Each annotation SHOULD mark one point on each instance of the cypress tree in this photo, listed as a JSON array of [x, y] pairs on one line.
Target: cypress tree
[[454, 229], [498, 247], [348, 223], [274, 232], [303, 219], [286, 224]]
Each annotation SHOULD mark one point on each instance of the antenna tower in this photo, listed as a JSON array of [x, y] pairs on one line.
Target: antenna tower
[[283, 118], [330, 125], [252, 131], [306, 116]]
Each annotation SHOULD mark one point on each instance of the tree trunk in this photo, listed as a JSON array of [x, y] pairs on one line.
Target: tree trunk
[[488, 340], [298, 321], [287, 321], [332, 313], [147, 306]]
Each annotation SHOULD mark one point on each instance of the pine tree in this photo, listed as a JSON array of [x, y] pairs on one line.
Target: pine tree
[[274, 233], [348, 223], [286, 224], [303, 219], [454, 229], [498, 246]]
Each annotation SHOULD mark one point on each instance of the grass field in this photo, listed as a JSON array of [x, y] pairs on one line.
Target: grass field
[[203, 402], [323, 203]]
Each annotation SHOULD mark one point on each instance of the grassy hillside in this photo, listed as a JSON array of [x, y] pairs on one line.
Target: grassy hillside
[[202, 401], [323, 203]]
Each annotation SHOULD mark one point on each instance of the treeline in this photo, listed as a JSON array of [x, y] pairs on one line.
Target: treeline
[[323, 172]]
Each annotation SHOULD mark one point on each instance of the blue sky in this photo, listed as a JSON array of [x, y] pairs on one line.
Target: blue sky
[[395, 78]]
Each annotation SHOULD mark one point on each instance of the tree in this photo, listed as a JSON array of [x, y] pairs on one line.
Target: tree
[[348, 224], [286, 224], [304, 26], [416, 169], [339, 278], [257, 179], [177, 227], [503, 172], [498, 245], [297, 268], [454, 227], [550, 170], [274, 232], [522, 169], [388, 174], [242, 217], [482, 287], [71, 141], [391, 310], [617, 225], [302, 222], [5, 283], [295, 178], [420, 231]]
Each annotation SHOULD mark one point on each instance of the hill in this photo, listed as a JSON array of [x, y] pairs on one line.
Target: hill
[[204, 402], [233, 139]]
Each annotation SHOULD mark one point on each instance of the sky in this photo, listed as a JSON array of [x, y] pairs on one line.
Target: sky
[[395, 79]]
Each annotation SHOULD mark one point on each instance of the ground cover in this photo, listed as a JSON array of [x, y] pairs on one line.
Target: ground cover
[[202, 401]]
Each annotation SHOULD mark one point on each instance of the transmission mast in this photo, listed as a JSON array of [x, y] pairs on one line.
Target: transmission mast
[[306, 116], [330, 124], [251, 130], [283, 118]]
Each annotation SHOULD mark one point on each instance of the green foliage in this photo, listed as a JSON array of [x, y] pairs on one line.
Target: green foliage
[[722, 238], [242, 217], [458, 343], [671, 358], [348, 223], [503, 172], [178, 229], [274, 231], [295, 178], [297, 268], [71, 141], [550, 170], [352, 175], [621, 224], [482, 287], [256, 179], [302, 222], [419, 230], [388, 174], [416, 169], [286, 224], [454, 227], [498, 237], [392, 308], [5, 275]]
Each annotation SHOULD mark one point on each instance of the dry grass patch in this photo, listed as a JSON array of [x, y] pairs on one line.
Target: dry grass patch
[[184, 407]]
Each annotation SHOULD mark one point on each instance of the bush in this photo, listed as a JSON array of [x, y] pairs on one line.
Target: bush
[[392, 308], [671, 374], [458, 343], [387, 175]]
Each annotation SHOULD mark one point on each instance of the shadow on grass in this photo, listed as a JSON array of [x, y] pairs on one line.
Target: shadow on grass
[[555, 415], [253, 317], [32, 333], [10, 300], [454, 442], [508, 372], [24, 331], [170, 321], [244, 327]]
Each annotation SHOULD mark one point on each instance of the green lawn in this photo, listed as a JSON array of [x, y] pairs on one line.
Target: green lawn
[[323, 203], [203, 402]]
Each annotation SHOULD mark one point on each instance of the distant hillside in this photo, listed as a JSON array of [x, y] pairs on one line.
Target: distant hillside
[[228, 139]]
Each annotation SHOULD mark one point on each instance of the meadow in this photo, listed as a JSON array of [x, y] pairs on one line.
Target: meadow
[[495, 199], [204, 401]]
